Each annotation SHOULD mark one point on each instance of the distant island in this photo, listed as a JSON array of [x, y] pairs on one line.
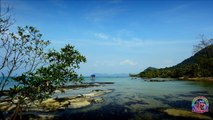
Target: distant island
[[200, 65]]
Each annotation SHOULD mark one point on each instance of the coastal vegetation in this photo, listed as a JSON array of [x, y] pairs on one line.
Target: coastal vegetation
[[40, 78], [198, 65], [42, 70]]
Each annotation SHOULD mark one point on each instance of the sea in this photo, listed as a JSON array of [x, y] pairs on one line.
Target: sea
[[140, 99]]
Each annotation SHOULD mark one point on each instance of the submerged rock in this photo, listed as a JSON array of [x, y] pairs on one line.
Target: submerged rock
[[135, 107], [186, 114], [97, 100]]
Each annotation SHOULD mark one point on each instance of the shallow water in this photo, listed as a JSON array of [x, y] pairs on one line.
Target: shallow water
[[139, 99]]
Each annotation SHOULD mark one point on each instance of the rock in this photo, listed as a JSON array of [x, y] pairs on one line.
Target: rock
[[104, 82], [4, 103], [65, 103], [187, 114], [15, 101], [89, 95], [51, 104], [49, 100], [57, 91], [80, 96], [98, 90], [62, 108], [3, 108], [135, 107], [78, 103], [11, 107], [46, 117], [96, 93], [97, 100]]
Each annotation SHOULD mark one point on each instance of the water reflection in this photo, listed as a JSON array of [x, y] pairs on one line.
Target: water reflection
[[138, 99]]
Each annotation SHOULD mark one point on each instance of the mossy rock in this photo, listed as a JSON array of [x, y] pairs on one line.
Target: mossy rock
[[50, 104], [186, 114], [78, 103]]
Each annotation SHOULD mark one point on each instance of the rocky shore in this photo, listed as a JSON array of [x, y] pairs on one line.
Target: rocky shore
[[59, 103]]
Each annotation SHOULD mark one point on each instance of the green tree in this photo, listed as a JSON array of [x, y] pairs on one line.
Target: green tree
[[42, 72], [41, 84], [21, 50]]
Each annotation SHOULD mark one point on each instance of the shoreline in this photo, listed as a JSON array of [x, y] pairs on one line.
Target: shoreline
[[210, 79], [206, 79], [54, 104], [73, 87]]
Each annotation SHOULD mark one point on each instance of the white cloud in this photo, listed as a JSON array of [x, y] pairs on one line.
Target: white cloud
[[119, 42], [128, 62], [100, 14], [137, 42], [101, 35], [174, 14]]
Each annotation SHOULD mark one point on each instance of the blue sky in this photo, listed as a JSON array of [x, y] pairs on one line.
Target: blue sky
[[120, 36]]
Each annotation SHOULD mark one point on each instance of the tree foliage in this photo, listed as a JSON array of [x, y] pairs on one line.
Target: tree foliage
[[41, 84], [21, 50], [42, 72], [6, 20]]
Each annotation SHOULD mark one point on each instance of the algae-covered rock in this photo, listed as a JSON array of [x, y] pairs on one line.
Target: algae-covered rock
[[72, 102], [65, 103], [12, 107], [78, 103], [5, 105], [51, 104], [3, 108], [135, 107], [187, 114], [97, 100], [49, 100]]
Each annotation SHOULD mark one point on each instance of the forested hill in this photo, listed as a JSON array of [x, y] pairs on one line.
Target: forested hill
[[198, 65]]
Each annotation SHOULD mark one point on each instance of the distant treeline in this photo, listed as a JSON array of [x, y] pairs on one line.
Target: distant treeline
[[198, 65]]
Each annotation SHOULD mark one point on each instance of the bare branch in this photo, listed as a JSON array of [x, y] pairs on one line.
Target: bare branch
[[204, 42]]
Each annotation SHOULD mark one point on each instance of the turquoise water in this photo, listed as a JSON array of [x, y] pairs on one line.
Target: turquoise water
[[139, 99]]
